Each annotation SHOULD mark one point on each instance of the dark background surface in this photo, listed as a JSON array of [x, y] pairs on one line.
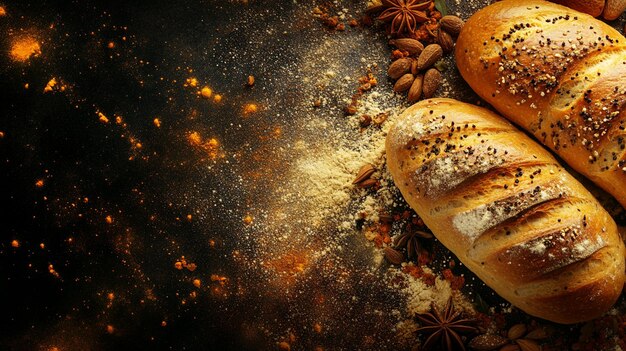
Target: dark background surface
[[57, 138]]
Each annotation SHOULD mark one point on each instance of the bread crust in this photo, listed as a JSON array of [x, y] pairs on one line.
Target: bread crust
[[559, 74], [505, 207]]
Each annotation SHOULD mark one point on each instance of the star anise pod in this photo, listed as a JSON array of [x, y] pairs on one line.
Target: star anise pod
[[444, 328], [410, 240], [404, 14]]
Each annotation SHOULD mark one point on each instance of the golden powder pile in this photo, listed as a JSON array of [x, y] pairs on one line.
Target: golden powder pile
[[24, 48]]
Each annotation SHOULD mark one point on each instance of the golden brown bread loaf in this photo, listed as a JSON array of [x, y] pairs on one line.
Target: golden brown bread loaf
[[559, 74], [503, 205]]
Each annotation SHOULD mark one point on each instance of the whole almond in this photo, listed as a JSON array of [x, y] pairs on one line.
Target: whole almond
[[393, 256], [412, 46], [516, 331], [445, 40], [528, 345], [399, 67], [432, 80], [431, 54], [451, 24], [415, 92], [404, 83], [510, 347], [537, 334], [367, 183], [414, 70], [487, 342], [365, 172]]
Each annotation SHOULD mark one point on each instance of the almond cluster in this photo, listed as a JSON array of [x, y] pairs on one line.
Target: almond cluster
[[413, 69]]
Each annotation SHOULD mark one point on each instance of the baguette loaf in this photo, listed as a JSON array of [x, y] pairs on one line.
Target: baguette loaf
[[503, 205], [557, 73]]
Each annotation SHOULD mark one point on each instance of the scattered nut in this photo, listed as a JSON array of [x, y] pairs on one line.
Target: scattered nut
[[364, 173], [404, 83], [415, 92], [451, 24], [393, 256], [431, 54], [414, 70], [528, 345], [537, 334], [412, 46], [445, 40], [399, 67], [432, 81], [516, 331]]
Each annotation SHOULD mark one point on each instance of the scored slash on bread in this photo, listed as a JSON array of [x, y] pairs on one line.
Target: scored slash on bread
[[559, 74], [505, 207]]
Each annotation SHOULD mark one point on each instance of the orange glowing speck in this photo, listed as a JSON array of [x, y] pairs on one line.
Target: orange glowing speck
[[110, 329], [249, 109], [15, 244], [157, 122], [248, 219], [23, 48], [206, 92], [102, 118], [192, 82], [52, 271], [210, 147], [194, 138], [39, 183], [3, 12], [111, 45], [50, 86], [109, 219], [197, 283], [217, 98]]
